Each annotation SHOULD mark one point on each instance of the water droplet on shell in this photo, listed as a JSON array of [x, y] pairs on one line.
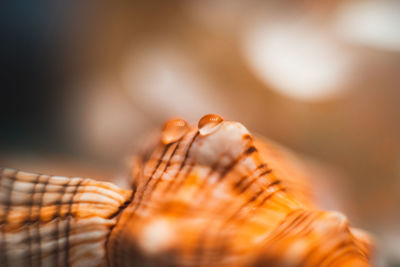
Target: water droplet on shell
[[174, 130], [209, 123]]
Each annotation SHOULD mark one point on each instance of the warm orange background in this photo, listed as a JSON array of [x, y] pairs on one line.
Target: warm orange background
[[86, 82]]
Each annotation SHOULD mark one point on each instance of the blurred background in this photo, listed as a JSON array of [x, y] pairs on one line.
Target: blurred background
[[84, 81]]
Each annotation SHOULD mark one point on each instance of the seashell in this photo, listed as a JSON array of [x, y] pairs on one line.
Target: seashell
[[206, 195], [55, 221]]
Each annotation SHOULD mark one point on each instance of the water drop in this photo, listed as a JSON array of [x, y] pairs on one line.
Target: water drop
[[209, 123], [174, 130]]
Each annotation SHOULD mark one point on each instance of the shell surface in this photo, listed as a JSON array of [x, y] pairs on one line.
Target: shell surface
[[206, 195], [55, 221], [220, 197]]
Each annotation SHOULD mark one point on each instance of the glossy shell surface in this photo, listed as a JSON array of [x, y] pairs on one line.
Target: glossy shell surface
[[205, 195], [55, 221], [217, 196]]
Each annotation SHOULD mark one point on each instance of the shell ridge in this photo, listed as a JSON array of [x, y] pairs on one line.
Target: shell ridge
[[68, 227], [143, 190], [3, 221], [114, 243], [333, 243], [165, 169], [171, 185], [117, 215], [210, 195], [227, 198], [56, 218], [29, 222], [41, 228]]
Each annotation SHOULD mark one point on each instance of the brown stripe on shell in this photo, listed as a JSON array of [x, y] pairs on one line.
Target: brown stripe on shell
[[55, 221], [116, 215], [37, 219], [135, 205], [225, 170], [167, 165], [28, 223], [4, 220], [131, 211], [206, 196], [250, 150], [68, 227], [160, 160], [199, 251], [183, 164], [332, 242], [218, 210]]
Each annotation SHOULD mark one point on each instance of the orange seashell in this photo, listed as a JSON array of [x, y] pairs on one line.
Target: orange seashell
[[211, 195]]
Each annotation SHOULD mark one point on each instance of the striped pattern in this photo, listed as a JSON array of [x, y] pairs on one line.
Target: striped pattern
[[55, 221], [218, 200], [217, 197], [314, 238]]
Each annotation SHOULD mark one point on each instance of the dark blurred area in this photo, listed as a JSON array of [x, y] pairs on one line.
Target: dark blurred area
[[83, 81]]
